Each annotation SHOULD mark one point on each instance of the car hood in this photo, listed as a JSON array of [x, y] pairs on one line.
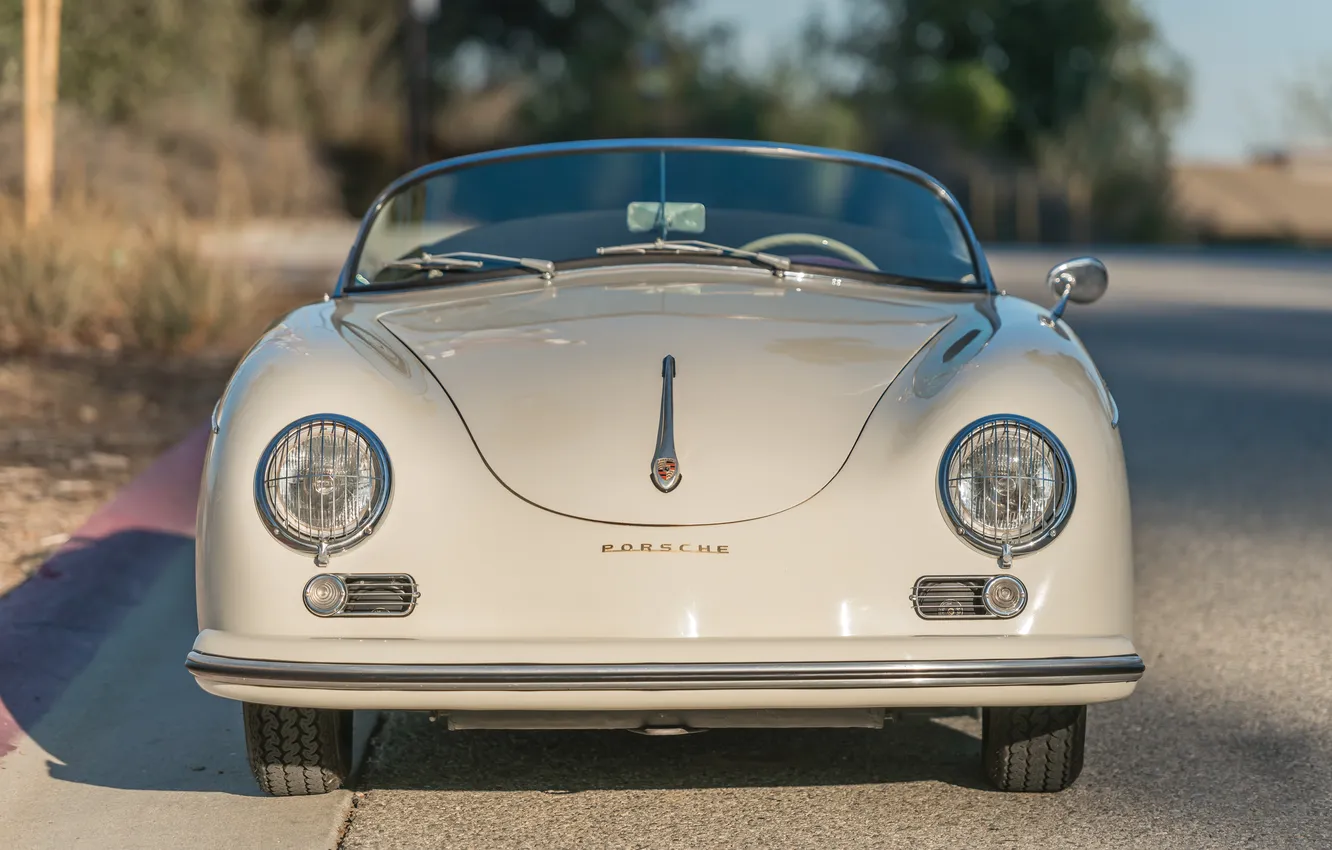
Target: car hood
[[561, 389]]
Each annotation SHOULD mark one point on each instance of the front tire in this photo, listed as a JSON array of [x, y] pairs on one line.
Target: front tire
[[295, 752], [1033, 749]]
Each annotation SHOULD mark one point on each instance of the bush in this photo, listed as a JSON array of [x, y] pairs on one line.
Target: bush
[[88, 279], [184, 161], [42, 288]]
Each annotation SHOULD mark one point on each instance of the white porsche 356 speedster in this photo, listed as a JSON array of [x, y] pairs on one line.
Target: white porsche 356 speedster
[[666, 436]]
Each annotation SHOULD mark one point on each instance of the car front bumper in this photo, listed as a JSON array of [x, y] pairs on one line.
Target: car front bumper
[[1066, 680]]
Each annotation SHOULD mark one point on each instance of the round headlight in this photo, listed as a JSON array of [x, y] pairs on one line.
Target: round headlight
[[1006, 480], [323, 482]]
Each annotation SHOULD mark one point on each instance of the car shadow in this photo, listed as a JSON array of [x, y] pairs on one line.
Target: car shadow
[[415, 752], [92, 652], [53, 625]]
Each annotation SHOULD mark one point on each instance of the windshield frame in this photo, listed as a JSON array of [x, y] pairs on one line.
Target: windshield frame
[[345, 284]]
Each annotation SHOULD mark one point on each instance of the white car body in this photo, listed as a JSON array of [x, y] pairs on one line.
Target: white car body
[[559, 588]]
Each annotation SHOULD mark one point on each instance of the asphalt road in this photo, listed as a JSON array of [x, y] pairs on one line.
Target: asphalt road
[[1223, 374]]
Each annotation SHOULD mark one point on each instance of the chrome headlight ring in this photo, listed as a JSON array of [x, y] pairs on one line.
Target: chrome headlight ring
[[1019, 459], [335, 443]]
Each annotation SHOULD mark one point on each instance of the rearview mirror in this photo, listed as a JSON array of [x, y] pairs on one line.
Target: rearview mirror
[[682, 217], [1081, 281]]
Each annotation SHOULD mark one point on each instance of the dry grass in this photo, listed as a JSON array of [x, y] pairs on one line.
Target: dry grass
[[76, 428], [179, 158], [116, 337], [90, 279]]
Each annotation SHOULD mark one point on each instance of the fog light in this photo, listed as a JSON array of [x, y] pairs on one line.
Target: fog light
[[325, 595], [1004, 596]]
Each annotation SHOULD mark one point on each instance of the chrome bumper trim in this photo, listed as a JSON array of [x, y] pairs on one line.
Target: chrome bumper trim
[[665, 677]]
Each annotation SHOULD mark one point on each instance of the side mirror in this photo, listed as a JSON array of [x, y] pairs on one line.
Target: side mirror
[[1081, 281]]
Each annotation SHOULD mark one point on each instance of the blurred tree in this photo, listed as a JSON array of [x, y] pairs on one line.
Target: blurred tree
[[654, 83], [504, 71], [1084, 90], [332, 68], [327, 67], [587, 68], [597, 68], [807, 88], [118, 57], [1011, 72], [474, 44]]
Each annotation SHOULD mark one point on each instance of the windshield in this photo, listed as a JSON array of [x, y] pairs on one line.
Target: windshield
[[585, 207]]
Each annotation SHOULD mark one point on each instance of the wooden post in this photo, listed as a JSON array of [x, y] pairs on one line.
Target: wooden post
[[41, 72], [32, 172]]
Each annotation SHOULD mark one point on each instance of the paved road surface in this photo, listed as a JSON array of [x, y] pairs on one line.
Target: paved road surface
[[1225, 386]]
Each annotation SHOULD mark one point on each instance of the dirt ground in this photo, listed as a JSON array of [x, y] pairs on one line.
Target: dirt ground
[[73, 430]]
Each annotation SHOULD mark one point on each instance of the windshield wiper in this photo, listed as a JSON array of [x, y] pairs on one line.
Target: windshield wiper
[[693, 246], [456, 260]]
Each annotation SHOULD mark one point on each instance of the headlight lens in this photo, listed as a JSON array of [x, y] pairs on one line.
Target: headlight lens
[[323, 480], [1006, 480], [1004, 596], [326, 595]]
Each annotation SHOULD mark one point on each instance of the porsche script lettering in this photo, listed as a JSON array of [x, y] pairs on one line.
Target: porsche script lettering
[[665, 466], [688, 548]]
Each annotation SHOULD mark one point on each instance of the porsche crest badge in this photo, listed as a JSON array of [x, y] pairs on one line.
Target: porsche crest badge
[[665, 471]]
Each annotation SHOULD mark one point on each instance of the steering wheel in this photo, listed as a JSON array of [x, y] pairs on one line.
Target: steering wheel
[[815, 240]]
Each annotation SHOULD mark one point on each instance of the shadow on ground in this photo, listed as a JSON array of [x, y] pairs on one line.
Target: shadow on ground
[[422, 754], [53, 625]]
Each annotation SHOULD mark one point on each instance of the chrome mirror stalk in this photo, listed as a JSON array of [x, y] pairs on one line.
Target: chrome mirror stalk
[[1082, 281]]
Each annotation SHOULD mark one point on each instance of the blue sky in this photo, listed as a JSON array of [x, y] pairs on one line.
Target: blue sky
[[1243, 55]]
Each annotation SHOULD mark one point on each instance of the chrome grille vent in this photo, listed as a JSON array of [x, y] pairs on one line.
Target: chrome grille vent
[[387, 595], [951, 598]]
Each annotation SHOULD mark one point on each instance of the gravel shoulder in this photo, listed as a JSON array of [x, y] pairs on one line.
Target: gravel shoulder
[[75, 429]]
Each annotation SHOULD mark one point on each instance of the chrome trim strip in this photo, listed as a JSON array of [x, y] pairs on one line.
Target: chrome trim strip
[[1062, 511], [666, 677], [665, 465]]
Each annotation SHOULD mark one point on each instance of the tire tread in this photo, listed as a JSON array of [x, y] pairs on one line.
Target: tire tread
[[1037, 749], [296, 752]]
